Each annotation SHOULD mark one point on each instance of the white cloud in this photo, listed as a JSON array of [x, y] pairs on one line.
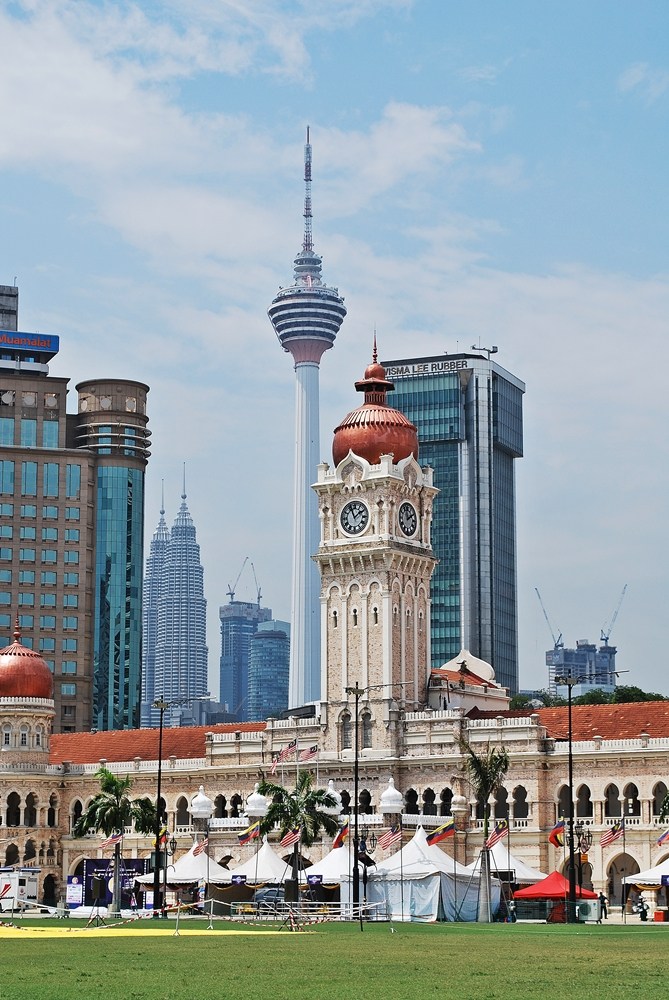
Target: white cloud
[[650, 82]]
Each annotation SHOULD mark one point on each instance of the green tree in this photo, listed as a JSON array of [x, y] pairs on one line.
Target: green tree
[[306, 807], [486, 773], [594, 697], [625, 693], [110, 811]]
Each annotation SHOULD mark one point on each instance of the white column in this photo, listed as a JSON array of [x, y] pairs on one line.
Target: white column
[[305, 671]]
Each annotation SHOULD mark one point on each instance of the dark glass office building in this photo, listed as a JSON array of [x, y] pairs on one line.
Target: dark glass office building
[[239, 623], [468, 411], [269, 662]]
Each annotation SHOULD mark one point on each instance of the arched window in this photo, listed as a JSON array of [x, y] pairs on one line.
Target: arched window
[[659, 793], [345, 802], [411, 802], [162, 810], [183, 816], [23, 736], [375, 616], [235, 803], [220, 803], [6, 736], [396, 615], [612, 801], [354, 613], [51, 816], [366, 730], [77, 810], [632, 803], [334, 619], [39, 736], [480, 807], [429, 808], [365, 800], [445, 798], [346, 734], [29, 852], [583, 802], [12, 856], [520, 807], [563, 802], [501, 804], [30, 811], [13, 809]]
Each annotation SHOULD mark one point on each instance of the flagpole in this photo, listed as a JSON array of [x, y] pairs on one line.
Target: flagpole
[[622, 884], [401, 868]]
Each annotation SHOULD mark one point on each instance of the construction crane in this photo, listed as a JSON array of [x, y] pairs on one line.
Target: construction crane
[[232, 587], [608, 629], [255, 578], [557, 643]]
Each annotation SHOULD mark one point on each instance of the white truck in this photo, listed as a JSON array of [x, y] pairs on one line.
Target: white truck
[[18, 888]]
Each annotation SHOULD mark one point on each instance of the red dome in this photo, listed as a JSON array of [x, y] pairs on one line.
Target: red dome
[[375, 428], [23, 672]]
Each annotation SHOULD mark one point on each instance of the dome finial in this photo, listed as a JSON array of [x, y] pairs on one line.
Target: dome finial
[[375, 355], [17, 629]]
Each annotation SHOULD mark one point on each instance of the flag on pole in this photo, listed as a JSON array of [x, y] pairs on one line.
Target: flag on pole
[[663, 838], [556, 836], [161, 839], [283, 755], [202, 846], [249, 834], [112, 841], [612, 833], [308, 754], [390, 838], [342, 834], [290, 837], [446, 829], [500, 831]]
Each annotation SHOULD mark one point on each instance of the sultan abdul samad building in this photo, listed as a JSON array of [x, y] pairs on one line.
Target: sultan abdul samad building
[[375, 561]]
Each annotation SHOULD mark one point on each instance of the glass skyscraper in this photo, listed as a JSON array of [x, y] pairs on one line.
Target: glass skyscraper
[[239, 623], [71, 526], [269, 666], [175, 654], [468, 411]]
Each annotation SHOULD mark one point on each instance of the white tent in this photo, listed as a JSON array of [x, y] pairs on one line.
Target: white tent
[[334, 867], [652, 877], [190, 869], [265, 866], [421, 882], [502, 860]]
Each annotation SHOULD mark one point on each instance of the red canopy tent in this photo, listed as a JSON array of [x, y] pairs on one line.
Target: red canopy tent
[[555, 886]]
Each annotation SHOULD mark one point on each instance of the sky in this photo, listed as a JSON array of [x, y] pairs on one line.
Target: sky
[[483, 173]]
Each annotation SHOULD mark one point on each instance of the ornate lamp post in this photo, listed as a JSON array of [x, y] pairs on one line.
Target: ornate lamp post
[[357, 693], [202, 809], [170, 849]]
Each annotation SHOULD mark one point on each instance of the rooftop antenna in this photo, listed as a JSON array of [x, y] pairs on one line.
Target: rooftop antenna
[[308, 243], [162, 497], [485, 350]]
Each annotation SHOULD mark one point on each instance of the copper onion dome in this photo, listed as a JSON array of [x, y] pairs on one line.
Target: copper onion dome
[[375, 428], [23, 672]]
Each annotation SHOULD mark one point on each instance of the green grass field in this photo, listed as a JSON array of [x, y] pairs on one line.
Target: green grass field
[[51, 961]]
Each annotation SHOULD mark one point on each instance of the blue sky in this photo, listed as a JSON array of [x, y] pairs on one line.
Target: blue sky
[[483, 172]]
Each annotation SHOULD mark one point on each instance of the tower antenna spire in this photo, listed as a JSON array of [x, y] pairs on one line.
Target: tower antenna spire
[[162, 497], [308, 243], [375, 353], [183, 495]]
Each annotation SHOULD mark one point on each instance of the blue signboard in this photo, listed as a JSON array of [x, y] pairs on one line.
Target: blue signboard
[[238, 879], [315, 879], [29, 342]]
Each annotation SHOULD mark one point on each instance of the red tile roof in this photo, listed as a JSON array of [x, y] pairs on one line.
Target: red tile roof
[[126, 744], [611, 722], [455, 676]]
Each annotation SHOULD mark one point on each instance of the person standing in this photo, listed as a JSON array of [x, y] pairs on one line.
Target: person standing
[[603, 911]]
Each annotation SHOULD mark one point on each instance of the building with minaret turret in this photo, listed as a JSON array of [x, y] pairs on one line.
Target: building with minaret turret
[[175, 634], [306, 316]]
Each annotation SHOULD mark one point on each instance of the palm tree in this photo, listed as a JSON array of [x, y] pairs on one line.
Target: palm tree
[[307, 807], [486, 773], [110, 811]]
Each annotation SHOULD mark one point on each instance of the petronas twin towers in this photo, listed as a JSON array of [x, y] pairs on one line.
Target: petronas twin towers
[[174, 639]]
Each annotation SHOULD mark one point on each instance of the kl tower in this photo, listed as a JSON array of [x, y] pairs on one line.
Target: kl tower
[[306, 317]]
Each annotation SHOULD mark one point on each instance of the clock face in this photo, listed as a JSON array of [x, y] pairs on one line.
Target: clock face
[[354, 517], [408, 519]]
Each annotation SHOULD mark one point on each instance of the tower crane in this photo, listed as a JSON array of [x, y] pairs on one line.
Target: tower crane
[[232, 587], [607, 629], [258, 590], [557, 643]]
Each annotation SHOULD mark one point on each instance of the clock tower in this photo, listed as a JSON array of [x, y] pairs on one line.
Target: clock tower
[[375, 561]]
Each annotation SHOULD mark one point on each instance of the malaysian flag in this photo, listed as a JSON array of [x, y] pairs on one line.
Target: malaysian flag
[[390, 838], [500, 831], [283, 754], [663, 838], [615, 831], [556, 836], [290, 837], [202, 846], [112, 841], [308, 754]]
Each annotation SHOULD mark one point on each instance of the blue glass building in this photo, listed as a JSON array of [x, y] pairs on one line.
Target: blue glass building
[[239, 623], [269, 667], [468, 411]]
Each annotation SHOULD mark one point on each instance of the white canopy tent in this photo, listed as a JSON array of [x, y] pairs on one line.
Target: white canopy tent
[[421, 882], [652, 877], [502, 860], [334, 867], [189, 870], [264, 867]]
